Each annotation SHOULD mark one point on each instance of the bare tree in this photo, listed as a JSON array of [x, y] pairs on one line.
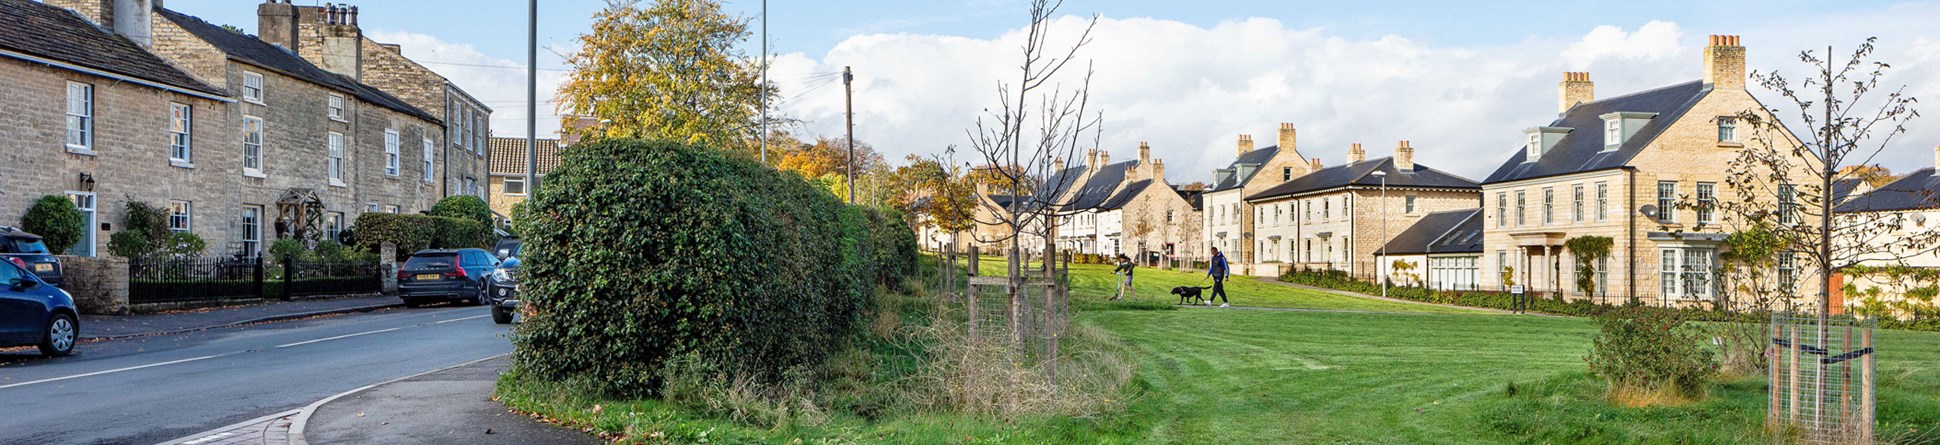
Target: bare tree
[[1850, 120]]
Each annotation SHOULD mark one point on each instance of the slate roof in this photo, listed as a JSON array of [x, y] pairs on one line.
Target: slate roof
[[1195, 197], [1842, 189], [1099, 187], [54, 33], [1054, 187], [251, 50], [508, 155], [1582, 149], [1917, 190], [1125, 195], [1360, 173], [1457, 231], [1257, 158]]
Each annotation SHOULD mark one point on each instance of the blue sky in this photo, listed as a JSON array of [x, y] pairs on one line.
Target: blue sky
[[1460, 82]]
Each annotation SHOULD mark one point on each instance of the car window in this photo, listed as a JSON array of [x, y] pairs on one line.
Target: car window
[[432, 261], [9, 272], [17, 245]]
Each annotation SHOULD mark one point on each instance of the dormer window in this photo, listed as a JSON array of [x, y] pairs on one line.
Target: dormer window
[[1534, 147], [1618, 127], [1541, 140]]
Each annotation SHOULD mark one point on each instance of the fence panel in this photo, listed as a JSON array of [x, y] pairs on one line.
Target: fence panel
[[178, 279]]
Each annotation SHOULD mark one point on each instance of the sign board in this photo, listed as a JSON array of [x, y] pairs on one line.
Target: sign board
[[1516, 289]]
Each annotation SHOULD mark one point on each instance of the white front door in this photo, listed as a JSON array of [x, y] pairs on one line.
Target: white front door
[[85, 202]]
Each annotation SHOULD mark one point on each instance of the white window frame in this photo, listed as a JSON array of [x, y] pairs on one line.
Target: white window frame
[[334, 166], [253, 146], [181, 216], [392, 209], [181, 140], [1534, 147], [1667, 201], [1727, 129], [1612, 133], [1549, 206], [1522, 208], [1707, 202], [1501, 209], [430, 156], [391, 157], [1788, 204], [252, 87], [333, 224], [337, 104], [80, 117], [251, 232], [1687, 272], [1408, 204], [1602, 201], [1576, 203]]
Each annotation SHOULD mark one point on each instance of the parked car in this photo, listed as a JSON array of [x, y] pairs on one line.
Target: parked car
[[459, 275], [27, 251], [504, 293], [33, 312]]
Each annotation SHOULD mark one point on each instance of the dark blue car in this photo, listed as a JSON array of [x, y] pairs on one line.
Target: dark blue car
[[33, 312]]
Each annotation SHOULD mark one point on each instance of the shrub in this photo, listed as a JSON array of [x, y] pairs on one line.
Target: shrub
[[56, 220], [465, 207], [637, 252], [184, 244], [1649, 357], [150, 221], [287, 248], [412, 233], [130, 244]]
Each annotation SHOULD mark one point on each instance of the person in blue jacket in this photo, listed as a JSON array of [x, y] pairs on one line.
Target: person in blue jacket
[[1218, 271]]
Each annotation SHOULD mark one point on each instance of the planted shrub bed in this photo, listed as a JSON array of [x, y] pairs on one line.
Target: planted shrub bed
[[641, 253]]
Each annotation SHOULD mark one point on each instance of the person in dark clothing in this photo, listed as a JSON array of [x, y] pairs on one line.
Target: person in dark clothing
[[1218, 271], [1124, 269]]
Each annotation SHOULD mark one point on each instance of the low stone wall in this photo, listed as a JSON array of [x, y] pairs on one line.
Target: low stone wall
[[99, 285]]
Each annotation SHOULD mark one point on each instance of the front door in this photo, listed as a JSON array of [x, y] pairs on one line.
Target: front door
[[85, 202]]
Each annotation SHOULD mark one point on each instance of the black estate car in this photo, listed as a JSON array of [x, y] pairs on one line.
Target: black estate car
[[459, 275]]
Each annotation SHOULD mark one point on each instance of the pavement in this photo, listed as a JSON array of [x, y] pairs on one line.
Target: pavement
[[450, 406], [108, 327]]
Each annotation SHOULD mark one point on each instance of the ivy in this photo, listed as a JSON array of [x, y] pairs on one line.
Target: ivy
[[1587, 250]]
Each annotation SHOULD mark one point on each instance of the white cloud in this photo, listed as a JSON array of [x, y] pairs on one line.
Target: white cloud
[[1189, 89], [499, 82]]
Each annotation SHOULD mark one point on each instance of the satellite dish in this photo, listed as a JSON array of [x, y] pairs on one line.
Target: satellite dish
[[1648, 210], [1919, 219]]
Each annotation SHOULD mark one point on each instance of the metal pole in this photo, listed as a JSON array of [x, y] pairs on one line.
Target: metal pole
[[532, 100], [764, 82], [848, 106]]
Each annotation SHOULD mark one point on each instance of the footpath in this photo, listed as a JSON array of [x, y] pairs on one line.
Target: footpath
[[110, 327]]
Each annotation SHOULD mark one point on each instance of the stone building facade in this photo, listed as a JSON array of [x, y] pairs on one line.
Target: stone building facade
[[508, 185], [1639, 169], [1338, 217], [1227, 221]]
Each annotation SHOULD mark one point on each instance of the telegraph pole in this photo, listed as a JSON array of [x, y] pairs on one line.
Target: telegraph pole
[[532, 100], [764, 82], [848, 105]]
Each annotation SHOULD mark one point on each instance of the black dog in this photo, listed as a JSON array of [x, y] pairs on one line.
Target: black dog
[[1189, 292]]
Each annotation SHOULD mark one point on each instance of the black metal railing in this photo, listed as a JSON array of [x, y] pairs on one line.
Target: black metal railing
[[172, 279]]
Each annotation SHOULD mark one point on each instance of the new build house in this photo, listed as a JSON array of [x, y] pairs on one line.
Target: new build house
[[1337, 217]]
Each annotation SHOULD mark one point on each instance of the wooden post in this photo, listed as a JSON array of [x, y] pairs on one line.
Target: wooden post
[[1845, 384], [972, 269], [1771, 370], [1866, 387], [1792, 386]]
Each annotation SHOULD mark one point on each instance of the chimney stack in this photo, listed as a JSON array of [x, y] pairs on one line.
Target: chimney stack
[[276, 23], [1091, 159], [1355, 154], [1315, 163], [1245, 144], [1724, 63], [327, 35], [1158, 171], [1404, 157], [1057, 164], [1576, 89], [1144, 153], [1288, 139], [1936, 158], [1104, 158]]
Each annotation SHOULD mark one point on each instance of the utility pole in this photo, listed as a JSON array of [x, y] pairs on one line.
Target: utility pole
[[532, 100], [764, 82], [848, 106]]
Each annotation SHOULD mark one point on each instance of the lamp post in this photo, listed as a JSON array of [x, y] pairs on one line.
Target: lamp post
[[1384, 231]]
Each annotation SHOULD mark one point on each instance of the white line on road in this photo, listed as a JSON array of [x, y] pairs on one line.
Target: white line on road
[[130, 368], [305, 342], [458, 319]]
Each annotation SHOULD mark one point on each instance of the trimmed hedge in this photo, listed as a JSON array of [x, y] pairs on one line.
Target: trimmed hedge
[[57, 221], [412, 233], [643, 253], [465, 207]]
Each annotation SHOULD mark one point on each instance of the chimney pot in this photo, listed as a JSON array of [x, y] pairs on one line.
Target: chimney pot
[[1289, 139], [1724, 63], [1144, 153], [1104, 158], [1091, 158], [1245, 145], [1355, 154], [1404, 157], [1315, 163], [1057, 164], [1575, 88]]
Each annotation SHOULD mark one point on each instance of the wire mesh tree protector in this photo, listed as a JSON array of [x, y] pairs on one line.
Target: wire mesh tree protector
[[1822, 378]]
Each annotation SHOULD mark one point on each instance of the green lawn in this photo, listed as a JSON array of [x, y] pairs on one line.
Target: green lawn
[[1092, 284], [1318, 377]]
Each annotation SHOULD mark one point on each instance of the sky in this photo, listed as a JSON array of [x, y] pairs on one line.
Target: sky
[[1460, 81]]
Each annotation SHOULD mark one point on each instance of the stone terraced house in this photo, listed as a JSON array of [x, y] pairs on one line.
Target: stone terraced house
[[1337, 218], [1227, 219], [508, 182]]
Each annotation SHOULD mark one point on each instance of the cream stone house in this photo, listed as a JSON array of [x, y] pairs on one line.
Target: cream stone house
[[1227, 219], [1910, 207], [1099, 208], [1619, 167], [1442, 250], [1338, 217]]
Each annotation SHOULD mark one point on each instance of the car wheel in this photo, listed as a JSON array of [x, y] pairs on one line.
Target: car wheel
[[484, 296], [500, 316], [61, 334]]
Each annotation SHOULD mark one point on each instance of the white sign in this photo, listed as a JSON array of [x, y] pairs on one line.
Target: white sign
[[1516, 289]]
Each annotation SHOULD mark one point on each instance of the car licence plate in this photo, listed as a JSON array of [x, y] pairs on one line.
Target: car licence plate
[[44, 267], [429, 276]]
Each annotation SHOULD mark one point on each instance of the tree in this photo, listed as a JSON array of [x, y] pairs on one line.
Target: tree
[[1875, 175], [667, 69], [1849, 119], [1195, 186], [465, 207], [59, 224]]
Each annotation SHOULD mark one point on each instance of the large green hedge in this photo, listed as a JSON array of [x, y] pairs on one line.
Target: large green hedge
[[412, 233], [57, 221], [465, 207], [638, 253]]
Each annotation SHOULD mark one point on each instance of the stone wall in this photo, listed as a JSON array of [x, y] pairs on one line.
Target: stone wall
[[99, 285]]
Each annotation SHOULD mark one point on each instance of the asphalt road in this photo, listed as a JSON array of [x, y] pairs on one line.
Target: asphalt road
[[153, 389]]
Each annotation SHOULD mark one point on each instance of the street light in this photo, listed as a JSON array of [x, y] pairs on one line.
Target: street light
[[1384, 229]]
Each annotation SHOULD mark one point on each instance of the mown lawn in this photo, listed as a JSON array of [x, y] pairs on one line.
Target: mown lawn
[[1318, 377], [1092, 284]]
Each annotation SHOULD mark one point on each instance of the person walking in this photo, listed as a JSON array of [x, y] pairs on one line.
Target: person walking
[[1124, 269], [1218, 270]]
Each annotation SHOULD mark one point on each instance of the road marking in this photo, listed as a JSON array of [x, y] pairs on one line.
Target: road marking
[[458, 319], [305, 342], [130, 368]]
